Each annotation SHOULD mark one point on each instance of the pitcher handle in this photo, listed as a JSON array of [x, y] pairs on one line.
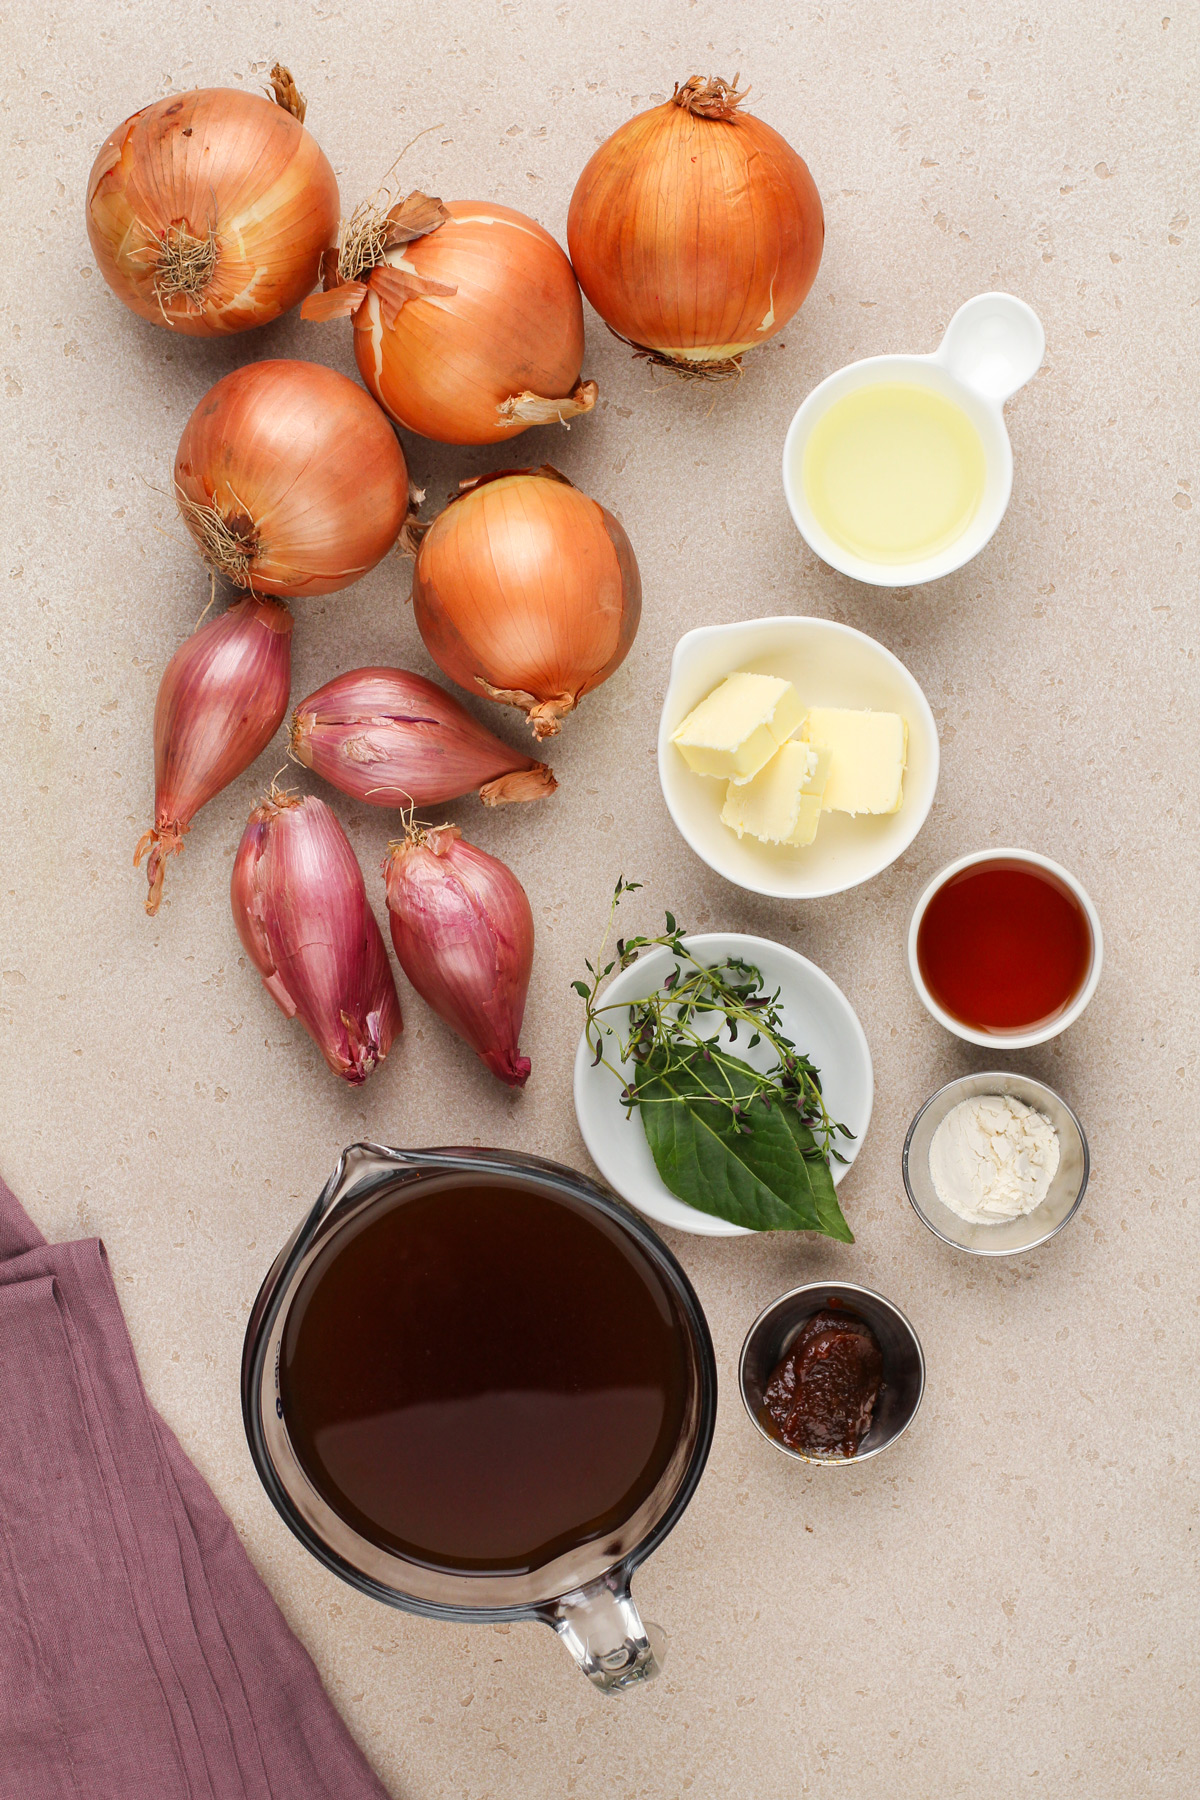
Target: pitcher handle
[[994, 344], [602, 1629]]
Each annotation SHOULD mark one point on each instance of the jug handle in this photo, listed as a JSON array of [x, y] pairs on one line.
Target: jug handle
[[603, 1630], [993, 344]]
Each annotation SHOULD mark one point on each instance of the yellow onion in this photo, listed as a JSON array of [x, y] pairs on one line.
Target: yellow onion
[[462, 928], [696, 230], [468, 325], [391, 738], [301, 910], [208, 212], [290, 479], [220, 702], [528, 591]]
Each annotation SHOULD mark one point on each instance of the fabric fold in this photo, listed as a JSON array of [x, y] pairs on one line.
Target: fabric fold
[[141, 1656]]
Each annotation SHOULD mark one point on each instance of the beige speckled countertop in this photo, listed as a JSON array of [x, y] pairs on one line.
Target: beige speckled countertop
[[1006, 1604]]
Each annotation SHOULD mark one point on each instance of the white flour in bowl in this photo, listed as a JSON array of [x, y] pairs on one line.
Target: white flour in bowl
[[993, 1158]]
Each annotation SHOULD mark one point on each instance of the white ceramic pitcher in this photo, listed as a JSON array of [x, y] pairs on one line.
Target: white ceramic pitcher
[[992, 346]]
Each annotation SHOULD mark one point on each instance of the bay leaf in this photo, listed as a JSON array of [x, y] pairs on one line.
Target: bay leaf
[[764, 1170]]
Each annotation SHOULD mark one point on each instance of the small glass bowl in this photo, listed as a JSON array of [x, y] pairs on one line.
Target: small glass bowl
[[1034, 1228], [776, 1329]]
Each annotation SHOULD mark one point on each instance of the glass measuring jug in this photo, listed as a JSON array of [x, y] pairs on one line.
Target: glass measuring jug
[[580, 1462]]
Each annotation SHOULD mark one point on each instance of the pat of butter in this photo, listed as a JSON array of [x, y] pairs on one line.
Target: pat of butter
[[868, 751], [782, 803], [739, 726]]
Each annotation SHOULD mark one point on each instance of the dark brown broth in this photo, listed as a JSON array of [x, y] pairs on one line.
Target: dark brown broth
[[480, 1376]]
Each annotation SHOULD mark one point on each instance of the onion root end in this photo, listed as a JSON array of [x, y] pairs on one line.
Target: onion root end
[[184, 267], [161, 841], [725, 368], [537, 783], [227, 545], [709, 97], [545, 716], [538, 409]]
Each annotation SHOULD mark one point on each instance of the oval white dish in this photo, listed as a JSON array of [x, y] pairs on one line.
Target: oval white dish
[[822, 1023]]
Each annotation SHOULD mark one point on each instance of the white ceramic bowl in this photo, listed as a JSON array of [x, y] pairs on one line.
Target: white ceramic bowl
[[830, 665], [1049, 1028], [820, 1020], [992, 346]]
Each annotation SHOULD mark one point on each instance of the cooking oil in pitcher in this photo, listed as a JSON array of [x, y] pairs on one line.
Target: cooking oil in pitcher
[[894, 471]]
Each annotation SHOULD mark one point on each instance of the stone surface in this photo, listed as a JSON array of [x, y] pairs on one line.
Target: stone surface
[[1006, 1602]]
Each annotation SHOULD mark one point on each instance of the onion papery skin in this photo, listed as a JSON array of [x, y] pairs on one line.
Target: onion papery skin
[[290, 479], [229, 169], [527, 590], [696, 237], [462, 928], [301, 910], [451, 364], [221, 700], [391, 738]]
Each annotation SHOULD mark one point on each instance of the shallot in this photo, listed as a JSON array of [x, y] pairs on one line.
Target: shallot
[[220, 702], [462, 928], [696, 230], [208, 212], [468, 325], [301, 910], [526, 590], [392, 738], [290, 479]]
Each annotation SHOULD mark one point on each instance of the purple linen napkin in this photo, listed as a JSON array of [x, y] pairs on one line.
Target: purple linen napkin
[[141, 1657]]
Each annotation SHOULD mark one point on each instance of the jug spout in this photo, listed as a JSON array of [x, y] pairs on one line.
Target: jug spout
[[358, 1166], [602, 1629]]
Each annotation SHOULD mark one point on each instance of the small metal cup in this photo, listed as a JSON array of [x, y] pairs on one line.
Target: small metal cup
[[775, 1331]]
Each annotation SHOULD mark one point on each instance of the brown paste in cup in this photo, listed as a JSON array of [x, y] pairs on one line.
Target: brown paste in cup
[[821, 1397]]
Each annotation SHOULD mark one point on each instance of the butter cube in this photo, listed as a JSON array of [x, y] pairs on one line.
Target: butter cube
[[739, 726], [868, 751], [782, 803]]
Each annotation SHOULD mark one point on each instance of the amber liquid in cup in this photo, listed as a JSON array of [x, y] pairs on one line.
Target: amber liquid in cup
[[1004, 946], [479, 1376]]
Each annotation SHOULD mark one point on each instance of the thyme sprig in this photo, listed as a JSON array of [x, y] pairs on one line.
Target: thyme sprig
[[673, 1028]]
